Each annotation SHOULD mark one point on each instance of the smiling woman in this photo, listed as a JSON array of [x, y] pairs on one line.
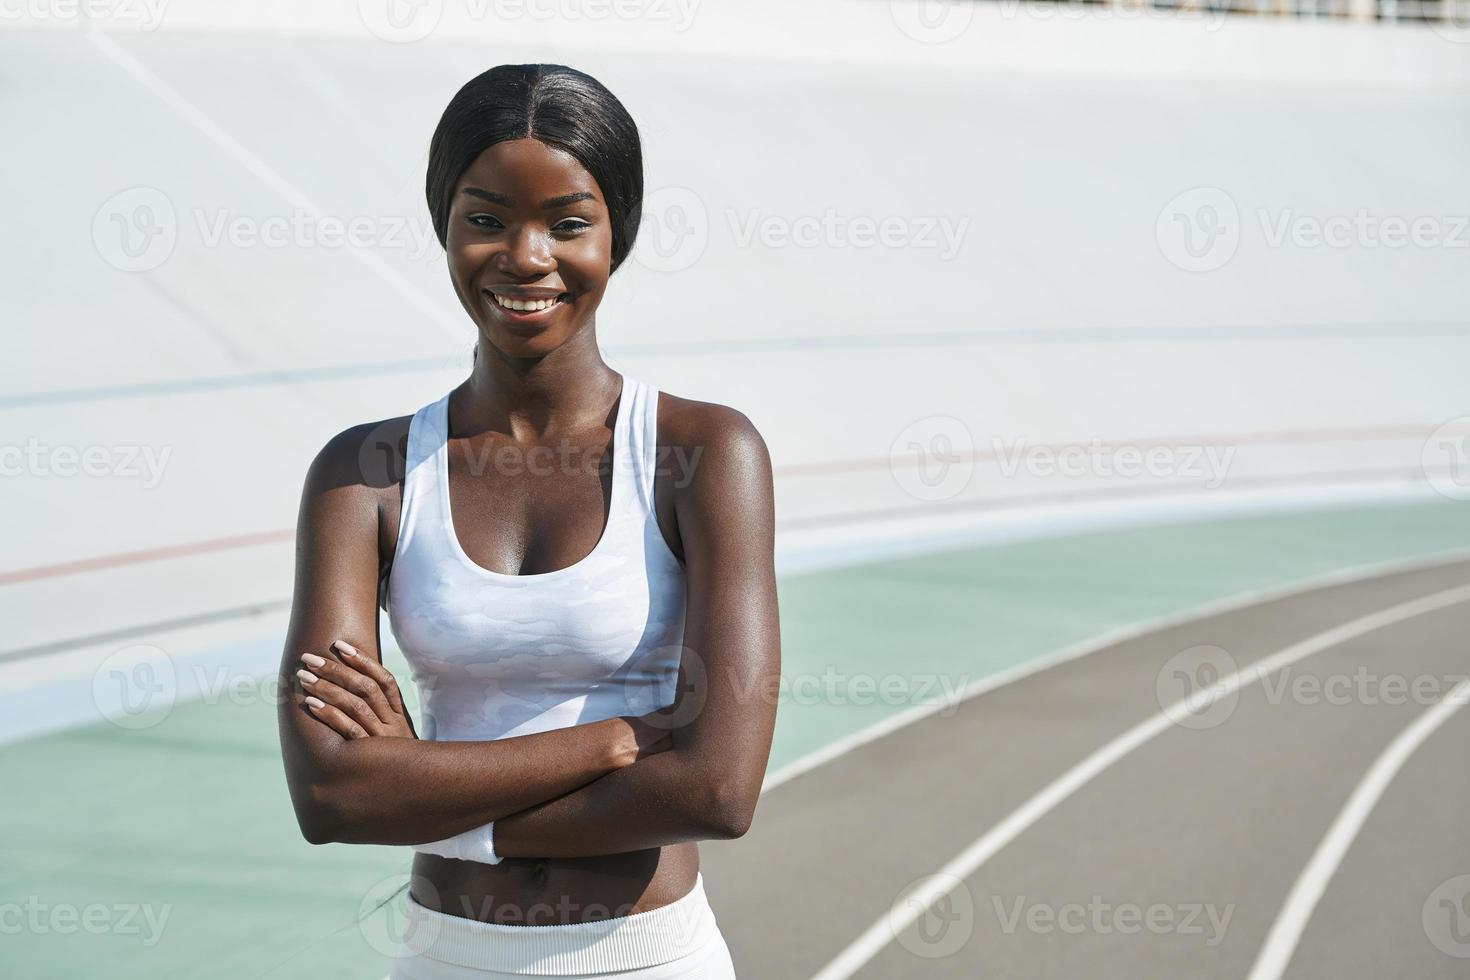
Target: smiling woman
[[595, 641]]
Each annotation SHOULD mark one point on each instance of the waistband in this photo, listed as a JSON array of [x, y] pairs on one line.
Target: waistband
[[625, 942]]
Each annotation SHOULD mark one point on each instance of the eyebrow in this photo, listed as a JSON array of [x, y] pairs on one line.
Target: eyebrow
[[495, 197]]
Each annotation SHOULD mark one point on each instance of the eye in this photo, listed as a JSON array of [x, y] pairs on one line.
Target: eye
[[483, 220], [571, 225]]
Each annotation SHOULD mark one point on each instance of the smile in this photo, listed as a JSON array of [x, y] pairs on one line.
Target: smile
[[525, 307]]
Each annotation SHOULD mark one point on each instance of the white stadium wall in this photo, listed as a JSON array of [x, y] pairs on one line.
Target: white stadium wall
[[1232, 252]]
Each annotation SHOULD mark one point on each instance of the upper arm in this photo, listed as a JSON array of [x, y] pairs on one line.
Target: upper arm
[[730, 675], [335, 592]]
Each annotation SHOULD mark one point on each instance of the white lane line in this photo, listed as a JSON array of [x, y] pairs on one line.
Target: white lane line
[[269, 176], [1123, 634], [1297, 911], [916, 903]]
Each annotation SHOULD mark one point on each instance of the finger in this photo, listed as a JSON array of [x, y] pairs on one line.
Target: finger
[[343, 700], [372, 668], [334, 718], [350, 679]]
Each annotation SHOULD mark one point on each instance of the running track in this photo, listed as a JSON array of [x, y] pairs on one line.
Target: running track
[[1222, 813]]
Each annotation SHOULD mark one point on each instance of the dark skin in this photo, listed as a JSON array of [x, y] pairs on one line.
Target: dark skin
[[597, 819]]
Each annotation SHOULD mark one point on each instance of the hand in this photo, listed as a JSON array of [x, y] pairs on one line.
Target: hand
[[353, 695], [646, 738]]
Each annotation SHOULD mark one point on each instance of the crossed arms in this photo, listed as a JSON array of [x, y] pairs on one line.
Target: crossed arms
[[357, 773]]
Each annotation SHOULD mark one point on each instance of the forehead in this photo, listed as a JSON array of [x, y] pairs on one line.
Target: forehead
[[527, 164]]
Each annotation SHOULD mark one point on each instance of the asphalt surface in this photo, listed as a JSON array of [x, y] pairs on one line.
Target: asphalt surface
[[1174, 860]]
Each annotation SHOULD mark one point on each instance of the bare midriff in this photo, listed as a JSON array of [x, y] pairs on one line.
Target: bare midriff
[[556, 891]]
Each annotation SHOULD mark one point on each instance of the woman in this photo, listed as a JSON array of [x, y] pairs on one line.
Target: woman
[[579, 570]]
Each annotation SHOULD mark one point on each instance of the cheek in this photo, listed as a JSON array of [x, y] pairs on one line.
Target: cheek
[[465, 255], [588, 259]]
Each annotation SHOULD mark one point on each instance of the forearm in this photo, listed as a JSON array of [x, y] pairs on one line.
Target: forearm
[[662, 800], [409, 791]]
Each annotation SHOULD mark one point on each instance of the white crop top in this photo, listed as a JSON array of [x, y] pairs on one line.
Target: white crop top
[[496, 655]]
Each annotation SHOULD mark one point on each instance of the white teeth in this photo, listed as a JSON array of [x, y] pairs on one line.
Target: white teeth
[[523, 305]]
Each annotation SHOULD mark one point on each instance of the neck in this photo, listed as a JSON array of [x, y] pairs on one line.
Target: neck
[[531, 397]]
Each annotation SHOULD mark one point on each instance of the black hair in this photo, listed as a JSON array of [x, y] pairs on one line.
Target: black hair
[[563, 108]]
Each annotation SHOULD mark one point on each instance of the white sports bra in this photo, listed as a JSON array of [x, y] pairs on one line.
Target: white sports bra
[[497, 655]]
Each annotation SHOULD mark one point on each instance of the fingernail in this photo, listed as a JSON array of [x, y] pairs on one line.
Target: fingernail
[[345, 648], [312, 660], [307, 677], [315, 703]]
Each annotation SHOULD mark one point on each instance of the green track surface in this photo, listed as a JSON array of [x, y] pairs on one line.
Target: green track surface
[[171, 851]]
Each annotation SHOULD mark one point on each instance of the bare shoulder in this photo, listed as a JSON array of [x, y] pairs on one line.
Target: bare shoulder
[[708, 427], [712, 451], [369, 456]]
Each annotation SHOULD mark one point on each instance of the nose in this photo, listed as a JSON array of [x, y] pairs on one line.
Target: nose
[[527, 254]]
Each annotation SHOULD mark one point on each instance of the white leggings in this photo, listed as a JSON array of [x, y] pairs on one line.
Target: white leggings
[[678, 941]]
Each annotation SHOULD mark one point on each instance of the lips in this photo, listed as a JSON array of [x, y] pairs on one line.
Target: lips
[[525, 306]]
